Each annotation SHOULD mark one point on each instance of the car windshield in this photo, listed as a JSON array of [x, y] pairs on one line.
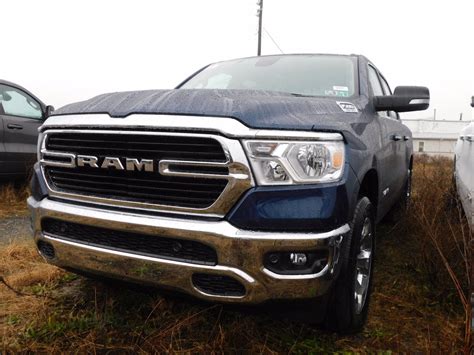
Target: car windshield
[[307, 75]]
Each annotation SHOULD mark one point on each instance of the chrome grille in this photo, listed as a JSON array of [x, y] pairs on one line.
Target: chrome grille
[[190, 171]]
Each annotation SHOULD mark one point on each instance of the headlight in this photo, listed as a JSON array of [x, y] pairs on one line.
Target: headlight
[[295, 162]]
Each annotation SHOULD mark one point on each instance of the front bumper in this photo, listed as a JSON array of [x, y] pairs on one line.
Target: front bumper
[[240, 253]]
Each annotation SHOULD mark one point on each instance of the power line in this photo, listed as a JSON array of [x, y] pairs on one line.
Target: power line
[[274, 42]]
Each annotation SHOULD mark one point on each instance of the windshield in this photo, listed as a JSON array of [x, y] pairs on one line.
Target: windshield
[[308, 75]]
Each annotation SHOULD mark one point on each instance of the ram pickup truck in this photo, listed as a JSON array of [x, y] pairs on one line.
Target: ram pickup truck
[[256, 179]]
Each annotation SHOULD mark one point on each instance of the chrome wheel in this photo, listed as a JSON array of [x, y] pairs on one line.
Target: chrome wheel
[[363, 265]]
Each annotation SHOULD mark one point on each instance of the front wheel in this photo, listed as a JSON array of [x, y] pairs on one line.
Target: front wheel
[[349, 301]]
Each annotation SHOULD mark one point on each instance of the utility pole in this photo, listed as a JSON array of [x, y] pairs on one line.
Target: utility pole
[[259, 14]]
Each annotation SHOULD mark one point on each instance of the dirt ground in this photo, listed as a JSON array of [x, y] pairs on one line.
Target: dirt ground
[[14, 230]]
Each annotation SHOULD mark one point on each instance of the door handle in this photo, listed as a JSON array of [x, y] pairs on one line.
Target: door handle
[[397, 137], [14, 126]]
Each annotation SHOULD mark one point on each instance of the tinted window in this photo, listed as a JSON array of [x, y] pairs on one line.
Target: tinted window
[[314, 75], [17, 103], [374, 82]]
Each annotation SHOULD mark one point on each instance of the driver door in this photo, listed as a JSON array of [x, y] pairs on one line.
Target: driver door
[[21, 117]]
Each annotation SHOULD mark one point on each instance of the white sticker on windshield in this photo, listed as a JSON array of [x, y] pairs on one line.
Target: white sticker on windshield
[[347, 107], [340, 88]]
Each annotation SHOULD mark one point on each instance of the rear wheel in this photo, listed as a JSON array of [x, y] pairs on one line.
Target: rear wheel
[[349, 301]]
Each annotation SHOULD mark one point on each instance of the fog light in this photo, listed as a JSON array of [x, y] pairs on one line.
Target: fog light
[[296, 262], [298, 258]]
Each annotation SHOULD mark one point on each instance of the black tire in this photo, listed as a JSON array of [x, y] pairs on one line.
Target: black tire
[[344, 313]]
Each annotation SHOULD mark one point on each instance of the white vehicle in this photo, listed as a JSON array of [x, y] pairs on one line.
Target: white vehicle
[[464, 170]]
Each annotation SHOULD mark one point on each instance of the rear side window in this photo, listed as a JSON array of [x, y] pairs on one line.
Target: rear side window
[[18, 103]]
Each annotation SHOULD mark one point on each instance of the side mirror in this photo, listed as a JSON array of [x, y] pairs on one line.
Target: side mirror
[[49, 110], [472, 101], [404, 99]]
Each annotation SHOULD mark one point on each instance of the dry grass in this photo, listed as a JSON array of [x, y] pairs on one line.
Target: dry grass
[[13, 200], [442, 236], [415, 305]]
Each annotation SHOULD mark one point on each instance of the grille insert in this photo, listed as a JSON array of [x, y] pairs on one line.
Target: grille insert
[[149, 245], [139, 186], [219, 285], [146, 146]]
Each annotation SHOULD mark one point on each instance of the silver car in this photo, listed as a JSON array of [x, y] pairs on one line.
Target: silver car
[[464, 170]]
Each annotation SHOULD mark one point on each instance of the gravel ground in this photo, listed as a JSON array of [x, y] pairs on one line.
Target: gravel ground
[[14, 228]]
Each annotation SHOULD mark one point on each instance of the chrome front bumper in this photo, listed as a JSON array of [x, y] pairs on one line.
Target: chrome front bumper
[[240, 253]]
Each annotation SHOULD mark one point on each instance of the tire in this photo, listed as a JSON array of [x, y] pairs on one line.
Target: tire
[[349, 302]]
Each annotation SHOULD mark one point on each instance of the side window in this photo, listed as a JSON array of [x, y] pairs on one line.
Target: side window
[[421, 146], [388, 91], [18, 103], [375, 82]]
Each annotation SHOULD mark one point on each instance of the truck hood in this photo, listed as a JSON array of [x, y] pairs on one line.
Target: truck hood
[[254, 108]]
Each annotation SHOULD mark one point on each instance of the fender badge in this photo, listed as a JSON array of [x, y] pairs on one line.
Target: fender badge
[[347, 107]]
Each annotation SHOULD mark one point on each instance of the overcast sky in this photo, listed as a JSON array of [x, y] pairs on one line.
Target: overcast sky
[[66, 51]]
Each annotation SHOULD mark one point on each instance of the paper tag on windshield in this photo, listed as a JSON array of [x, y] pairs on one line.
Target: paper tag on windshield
[[340, 88], [347, 107]]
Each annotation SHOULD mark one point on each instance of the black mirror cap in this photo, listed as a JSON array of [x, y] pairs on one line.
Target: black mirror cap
[[404, 99], [48, 111], [472, 101]]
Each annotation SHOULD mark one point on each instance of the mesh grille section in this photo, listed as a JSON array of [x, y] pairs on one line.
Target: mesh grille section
[[143, 244], [218, 285]]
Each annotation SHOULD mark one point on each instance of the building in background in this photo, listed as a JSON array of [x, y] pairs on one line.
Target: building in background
[[435, 137]]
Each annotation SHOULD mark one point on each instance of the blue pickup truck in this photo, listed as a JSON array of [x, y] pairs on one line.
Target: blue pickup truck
[[256, 179]]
